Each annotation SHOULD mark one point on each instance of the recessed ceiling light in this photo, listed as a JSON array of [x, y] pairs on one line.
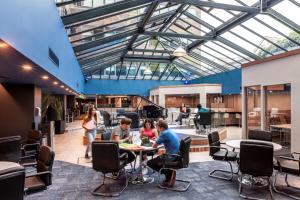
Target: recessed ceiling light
[[45, 77], [27, 67], [67, 89], [62, 86], [3, 45], [55, 83]]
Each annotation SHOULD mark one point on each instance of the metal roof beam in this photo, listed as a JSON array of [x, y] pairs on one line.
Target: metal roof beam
[[102, 11], [211, 4], [104, 40], [152, 51], [135, 58], [177, 35], [141, 26], [101, 66], [64, 3], [231, 24]]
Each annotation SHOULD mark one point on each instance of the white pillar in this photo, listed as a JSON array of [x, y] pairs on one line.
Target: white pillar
[[162, 99], [263, 109], [295, 116], [244, 112], [202, 100]]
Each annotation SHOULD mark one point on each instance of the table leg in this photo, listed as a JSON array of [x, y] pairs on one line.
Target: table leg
[[141, 179]]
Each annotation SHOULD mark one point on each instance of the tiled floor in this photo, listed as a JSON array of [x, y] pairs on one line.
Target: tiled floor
[[69, 146]]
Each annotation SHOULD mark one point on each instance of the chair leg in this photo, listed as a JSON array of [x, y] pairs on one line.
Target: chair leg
[[211, 174], [253, 198], [95, 191], [188, 183], [281, 192]]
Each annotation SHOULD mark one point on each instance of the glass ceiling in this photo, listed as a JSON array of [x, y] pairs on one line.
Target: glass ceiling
[[135, 39]]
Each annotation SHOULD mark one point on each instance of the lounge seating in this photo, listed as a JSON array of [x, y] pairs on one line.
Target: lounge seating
[[260, 135], [10, 149], [43, 177], [288, 165], [220, 153], [182, 161], [12, 177], [106, 159], [256, 160]]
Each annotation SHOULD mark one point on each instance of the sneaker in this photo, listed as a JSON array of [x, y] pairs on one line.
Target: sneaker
[[145, 170], [87, 156]]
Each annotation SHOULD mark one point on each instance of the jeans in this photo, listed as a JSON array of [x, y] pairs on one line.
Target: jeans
[[157, 164], [90, 134], [180, 116]]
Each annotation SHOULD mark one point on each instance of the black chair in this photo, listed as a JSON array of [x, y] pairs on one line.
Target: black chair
[[10, 148], [43, 177], [182, 161], [12, 177], [204, 119], [260, 135], [256, 160], [106, 136], [120, 112], [135, 119], [32, 144], [106, 159], [288, 165], [108, 122], [222, 154]]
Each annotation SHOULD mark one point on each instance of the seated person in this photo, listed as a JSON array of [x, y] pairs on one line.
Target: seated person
[[149, 132], [183, 114], [197, 116], [171, 143], [121, 134]]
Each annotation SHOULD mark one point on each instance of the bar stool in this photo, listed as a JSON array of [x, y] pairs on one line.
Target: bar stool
[[216, 118], [225, 116], [238, 117]]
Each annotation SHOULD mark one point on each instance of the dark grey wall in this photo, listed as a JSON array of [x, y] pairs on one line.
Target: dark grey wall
[[16, 109]]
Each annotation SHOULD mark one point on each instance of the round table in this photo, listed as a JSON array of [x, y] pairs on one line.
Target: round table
[[237, 143], [141, 179]]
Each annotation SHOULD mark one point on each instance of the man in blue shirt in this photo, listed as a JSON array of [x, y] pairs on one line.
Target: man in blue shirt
[[171, 142]]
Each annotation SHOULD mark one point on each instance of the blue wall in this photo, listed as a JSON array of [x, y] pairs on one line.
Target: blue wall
[[31, 26], [231, 81], [124, 87]]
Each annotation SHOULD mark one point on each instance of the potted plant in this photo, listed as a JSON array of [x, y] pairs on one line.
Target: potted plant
[[52, 110]]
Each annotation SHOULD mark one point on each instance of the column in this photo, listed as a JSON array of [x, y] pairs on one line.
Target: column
[[162, 99], [263, 103], [244, 112], [202, 99]]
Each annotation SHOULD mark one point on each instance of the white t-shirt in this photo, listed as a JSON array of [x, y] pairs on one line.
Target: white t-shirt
[[90, 125]]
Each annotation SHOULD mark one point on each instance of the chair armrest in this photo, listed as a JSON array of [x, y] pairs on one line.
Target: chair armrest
[[31, 144], [288, 158], [172, 155], [123, 156], [39, 174], [221, 148], [293, 154]]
